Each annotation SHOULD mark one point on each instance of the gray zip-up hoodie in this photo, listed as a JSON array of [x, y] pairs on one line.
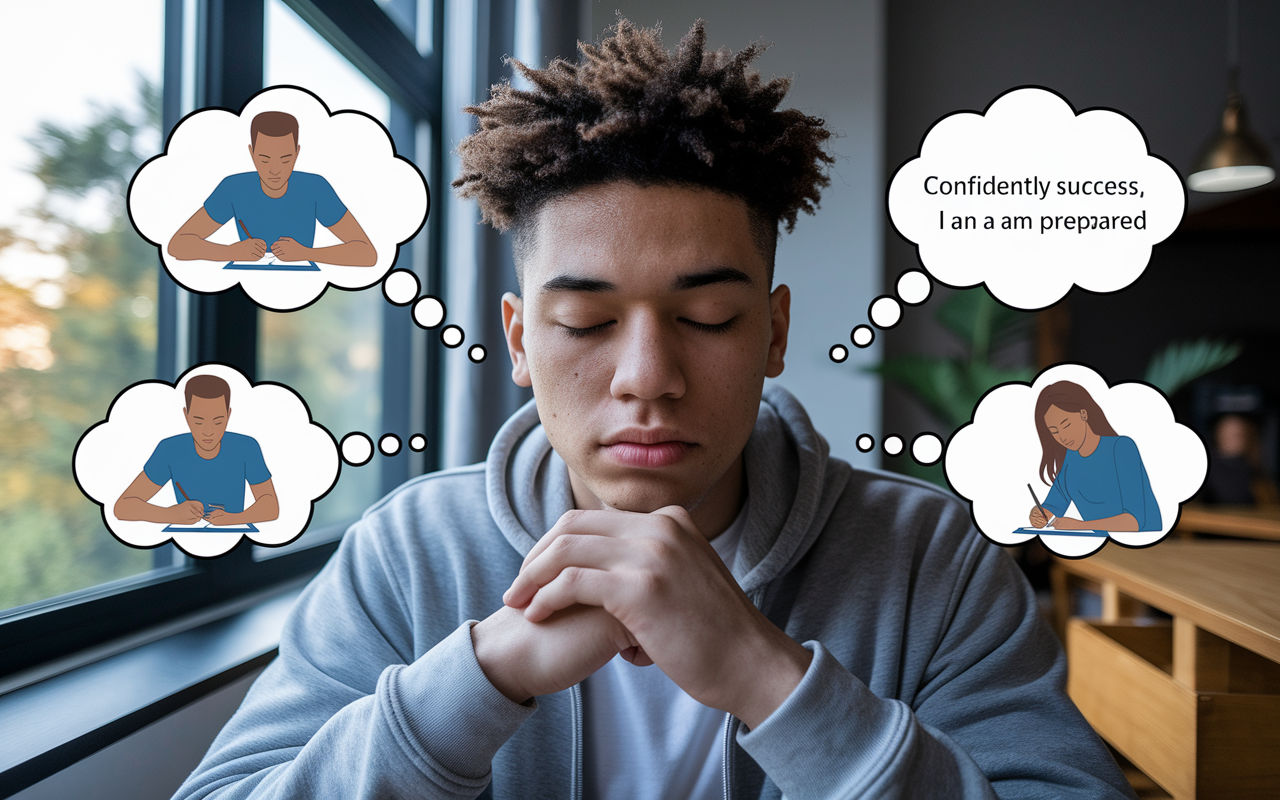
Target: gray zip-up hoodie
[[933, 675]]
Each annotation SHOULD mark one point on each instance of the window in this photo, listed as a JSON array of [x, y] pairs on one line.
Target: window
[[78, 319], [85, 309], [331, 351]]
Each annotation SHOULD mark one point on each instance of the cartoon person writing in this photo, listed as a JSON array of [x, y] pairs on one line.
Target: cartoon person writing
[[276, 208], [209, 468], [1091, 465]]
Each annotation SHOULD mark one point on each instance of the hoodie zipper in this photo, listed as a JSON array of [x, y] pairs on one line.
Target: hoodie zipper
[[728, 726], [756, 597], [575, 703]]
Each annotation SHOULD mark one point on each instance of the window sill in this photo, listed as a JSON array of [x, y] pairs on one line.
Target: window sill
[[54, 722]]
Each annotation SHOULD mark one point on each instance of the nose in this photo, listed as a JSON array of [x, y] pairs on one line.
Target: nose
[[647, 362]]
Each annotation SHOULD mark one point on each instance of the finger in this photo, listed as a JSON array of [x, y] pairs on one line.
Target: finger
[[567, 550], [681, 516], [592, 523], [573, 586], [637, 656]]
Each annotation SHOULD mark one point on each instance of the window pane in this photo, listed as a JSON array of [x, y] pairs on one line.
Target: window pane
[[77, 284], [331, 351]]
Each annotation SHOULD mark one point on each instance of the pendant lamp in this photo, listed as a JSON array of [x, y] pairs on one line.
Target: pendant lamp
[[1236, 158]]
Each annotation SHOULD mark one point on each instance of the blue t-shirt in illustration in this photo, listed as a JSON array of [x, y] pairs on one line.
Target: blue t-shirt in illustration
[[309, 199], [1109, 481], [213, 481]]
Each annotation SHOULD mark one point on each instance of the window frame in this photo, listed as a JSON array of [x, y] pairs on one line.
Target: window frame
[[224, 327]]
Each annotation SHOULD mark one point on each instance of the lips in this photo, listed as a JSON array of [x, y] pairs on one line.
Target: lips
[[647, 448]]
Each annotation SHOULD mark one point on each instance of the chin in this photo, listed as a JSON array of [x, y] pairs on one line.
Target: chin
[[645, 494]]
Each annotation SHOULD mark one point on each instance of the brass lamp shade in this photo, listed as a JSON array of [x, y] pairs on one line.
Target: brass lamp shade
[[1236, 159]]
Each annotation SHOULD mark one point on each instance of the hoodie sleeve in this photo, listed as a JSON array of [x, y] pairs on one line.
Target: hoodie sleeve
[[991, 719], [345, 711]]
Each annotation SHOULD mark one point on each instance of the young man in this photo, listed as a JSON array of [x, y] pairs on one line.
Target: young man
[[209, 469], [659, 585], [274, 205]]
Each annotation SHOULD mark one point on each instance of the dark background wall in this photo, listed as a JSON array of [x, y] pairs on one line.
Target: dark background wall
[[1163, 64]]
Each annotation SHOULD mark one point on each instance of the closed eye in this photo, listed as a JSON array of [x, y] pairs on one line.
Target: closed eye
[[579, 333], [707, 327]]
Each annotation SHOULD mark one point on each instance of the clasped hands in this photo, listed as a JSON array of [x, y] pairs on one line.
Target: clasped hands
[[651, 587], [284, 249]]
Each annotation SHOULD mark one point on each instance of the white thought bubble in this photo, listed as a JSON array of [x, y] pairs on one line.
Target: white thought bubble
[[1031, 198], [301, 456], [991, 460], [383, 193]]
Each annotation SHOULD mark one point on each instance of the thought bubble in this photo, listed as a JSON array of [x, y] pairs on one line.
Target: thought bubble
[[1135, 440], [452, 336], [146, 436], [1031, 198], [349, 189], [400, 287]]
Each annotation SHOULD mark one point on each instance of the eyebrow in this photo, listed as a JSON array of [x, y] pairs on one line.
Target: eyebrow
[[571, 283]]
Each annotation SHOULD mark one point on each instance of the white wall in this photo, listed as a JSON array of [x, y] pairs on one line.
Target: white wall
[[149, 764], [834, 52]]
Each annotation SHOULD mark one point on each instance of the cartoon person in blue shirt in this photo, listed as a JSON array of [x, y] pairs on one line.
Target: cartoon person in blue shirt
[[208, 467], [1091, 465], [275, 208]]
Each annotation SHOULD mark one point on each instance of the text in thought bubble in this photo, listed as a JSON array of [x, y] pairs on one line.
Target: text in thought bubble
[[1030, 198]]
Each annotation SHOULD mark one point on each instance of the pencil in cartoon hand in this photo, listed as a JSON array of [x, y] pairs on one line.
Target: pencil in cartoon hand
[[1048, 518]]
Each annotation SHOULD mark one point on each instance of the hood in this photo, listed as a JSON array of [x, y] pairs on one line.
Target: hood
[[791, 483]]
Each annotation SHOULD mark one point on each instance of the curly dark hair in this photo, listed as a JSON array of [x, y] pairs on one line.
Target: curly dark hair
[[631, 111]]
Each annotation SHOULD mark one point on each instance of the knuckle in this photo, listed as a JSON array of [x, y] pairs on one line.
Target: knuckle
[[563, 544]]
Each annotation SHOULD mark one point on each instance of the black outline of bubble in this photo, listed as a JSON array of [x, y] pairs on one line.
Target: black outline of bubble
[[174, 385], [416, 449], [399, 445], [459, 342], [237, 285], [373, 449], [417, 283], [1110, 385], [475, 360], [444, 308], [889, 436], [831, 354], [1182, 182], [927, 295], [870, 449], [871, 328], [911, 448], [902, 314]]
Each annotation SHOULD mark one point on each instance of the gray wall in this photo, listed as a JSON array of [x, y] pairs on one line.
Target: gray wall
[[152, 763], [832, 262], [1162, 62]]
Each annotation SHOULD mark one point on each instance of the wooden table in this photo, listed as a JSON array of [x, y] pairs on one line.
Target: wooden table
[[1194, 703], [1248, 521]]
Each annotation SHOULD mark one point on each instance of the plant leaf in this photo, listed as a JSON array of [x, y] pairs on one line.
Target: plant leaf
[[1182, 362]]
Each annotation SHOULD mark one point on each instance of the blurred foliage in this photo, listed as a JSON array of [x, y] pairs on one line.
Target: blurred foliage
[[67, 346], [1182, 362], [951, 387]]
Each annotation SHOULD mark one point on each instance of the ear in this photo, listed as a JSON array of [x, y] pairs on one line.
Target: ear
[[513, 329], [250, 151], [297, 151], [779, 325], [1084, 414]]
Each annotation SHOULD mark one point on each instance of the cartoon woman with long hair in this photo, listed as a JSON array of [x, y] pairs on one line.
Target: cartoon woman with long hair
[[1091, 465]]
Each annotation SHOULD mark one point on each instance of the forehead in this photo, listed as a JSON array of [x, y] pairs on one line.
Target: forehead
[[636, 236], [273, 145], [207, 404]]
